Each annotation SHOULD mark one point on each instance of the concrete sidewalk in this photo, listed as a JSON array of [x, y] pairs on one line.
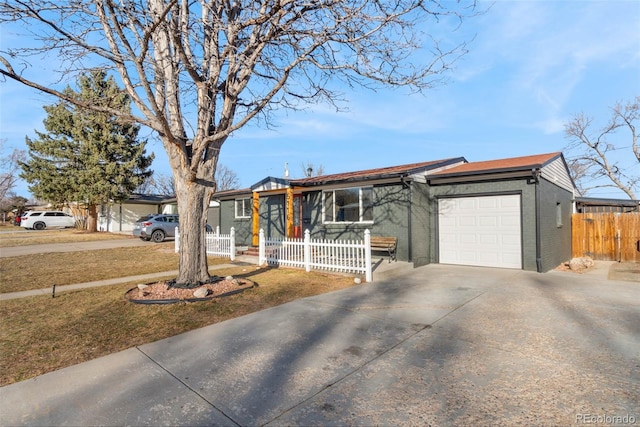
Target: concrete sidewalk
[[70, 247], [437, 345]]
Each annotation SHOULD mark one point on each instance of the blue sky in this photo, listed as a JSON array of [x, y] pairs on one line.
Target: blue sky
[[532, 65]]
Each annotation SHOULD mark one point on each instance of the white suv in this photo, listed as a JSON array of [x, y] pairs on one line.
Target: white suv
[[43, 219]]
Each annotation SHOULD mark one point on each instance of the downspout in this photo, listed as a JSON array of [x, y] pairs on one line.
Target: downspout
[[536, 178], [407, 185]]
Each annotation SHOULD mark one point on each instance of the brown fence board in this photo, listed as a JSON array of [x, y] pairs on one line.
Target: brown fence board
[[607, 236]]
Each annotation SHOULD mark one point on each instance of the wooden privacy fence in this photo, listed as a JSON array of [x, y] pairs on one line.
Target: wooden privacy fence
[[607, 236]]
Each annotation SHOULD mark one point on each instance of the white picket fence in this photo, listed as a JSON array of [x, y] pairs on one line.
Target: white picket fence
[[223, 245], [318, 254], [343, 256]]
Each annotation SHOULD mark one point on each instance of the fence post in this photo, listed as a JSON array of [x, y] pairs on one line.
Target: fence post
[[232, 243], [367, 256], [218, 230], [176, 241], [262, 259], [307, 250]]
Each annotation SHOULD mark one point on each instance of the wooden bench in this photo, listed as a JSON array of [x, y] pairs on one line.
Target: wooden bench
[[387, 244]]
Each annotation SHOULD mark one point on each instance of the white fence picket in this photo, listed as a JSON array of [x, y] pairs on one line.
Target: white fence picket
[[318, 254], [223, 245]]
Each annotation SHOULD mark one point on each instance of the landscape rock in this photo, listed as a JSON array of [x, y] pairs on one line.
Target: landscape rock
[[581, 263], [201, 292], [357, 280], [142, 286]]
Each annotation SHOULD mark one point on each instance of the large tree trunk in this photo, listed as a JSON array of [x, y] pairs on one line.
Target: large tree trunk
[[193, 205], [92, 218]]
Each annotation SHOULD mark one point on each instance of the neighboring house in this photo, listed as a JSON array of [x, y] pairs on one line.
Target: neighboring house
[[512, 213], [121, 217], [598, 205]]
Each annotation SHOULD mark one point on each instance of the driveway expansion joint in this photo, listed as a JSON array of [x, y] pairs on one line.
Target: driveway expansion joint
[[178, 379]]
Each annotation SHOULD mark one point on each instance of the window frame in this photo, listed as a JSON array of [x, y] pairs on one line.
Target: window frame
[[246, 207], [362, 210], [559, 222]]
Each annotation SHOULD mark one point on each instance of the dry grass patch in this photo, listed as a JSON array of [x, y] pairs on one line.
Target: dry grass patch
[[40, 271], [42, 334], [22, 237]]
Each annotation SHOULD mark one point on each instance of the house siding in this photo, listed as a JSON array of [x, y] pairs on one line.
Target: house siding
[[390, 218], [555, 240], [421, 230], [556, 172], [273, 216], [424, 256], [242, 226]]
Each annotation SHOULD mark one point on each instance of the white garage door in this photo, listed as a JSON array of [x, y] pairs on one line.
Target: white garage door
[[483, 231]]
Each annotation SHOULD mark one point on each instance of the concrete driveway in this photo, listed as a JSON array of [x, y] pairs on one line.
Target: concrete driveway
[[439, 345]]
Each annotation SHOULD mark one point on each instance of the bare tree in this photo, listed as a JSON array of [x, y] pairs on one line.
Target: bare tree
[[158, 184], [198, 71], [591, 154], [226, 179], [9, 169], [309, 169]]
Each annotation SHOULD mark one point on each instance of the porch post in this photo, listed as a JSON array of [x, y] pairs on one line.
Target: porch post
[[255, 219], [289, 212]]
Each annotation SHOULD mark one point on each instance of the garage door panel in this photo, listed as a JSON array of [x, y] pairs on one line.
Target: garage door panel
[[468, 238], [487, 203], [488, 221], [483, 231], [513, 241], [488, 239], [510, 202]]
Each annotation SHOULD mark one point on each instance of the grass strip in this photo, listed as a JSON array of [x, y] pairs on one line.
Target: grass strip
[[42, 334], [40, 271], [22, 237]]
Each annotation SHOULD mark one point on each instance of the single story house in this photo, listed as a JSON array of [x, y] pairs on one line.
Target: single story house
[[121, 217], [511, 213]]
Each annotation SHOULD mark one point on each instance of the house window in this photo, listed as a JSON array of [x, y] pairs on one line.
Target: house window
[[558, 215], [348, 205], [243, 208]]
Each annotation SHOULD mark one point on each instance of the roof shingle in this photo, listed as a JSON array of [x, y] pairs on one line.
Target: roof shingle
[[375, 173], [500, 165]]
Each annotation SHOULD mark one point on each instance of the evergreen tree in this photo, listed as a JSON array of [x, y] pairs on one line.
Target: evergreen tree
[[86, 156]]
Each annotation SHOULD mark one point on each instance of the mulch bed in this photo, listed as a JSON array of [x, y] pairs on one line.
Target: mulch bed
[[164, 292]]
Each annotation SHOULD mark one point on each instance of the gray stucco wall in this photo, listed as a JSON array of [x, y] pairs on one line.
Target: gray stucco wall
[[422, 233], [555, 237], [390, 218], [242, 226], [425, 224], [273, 216]]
